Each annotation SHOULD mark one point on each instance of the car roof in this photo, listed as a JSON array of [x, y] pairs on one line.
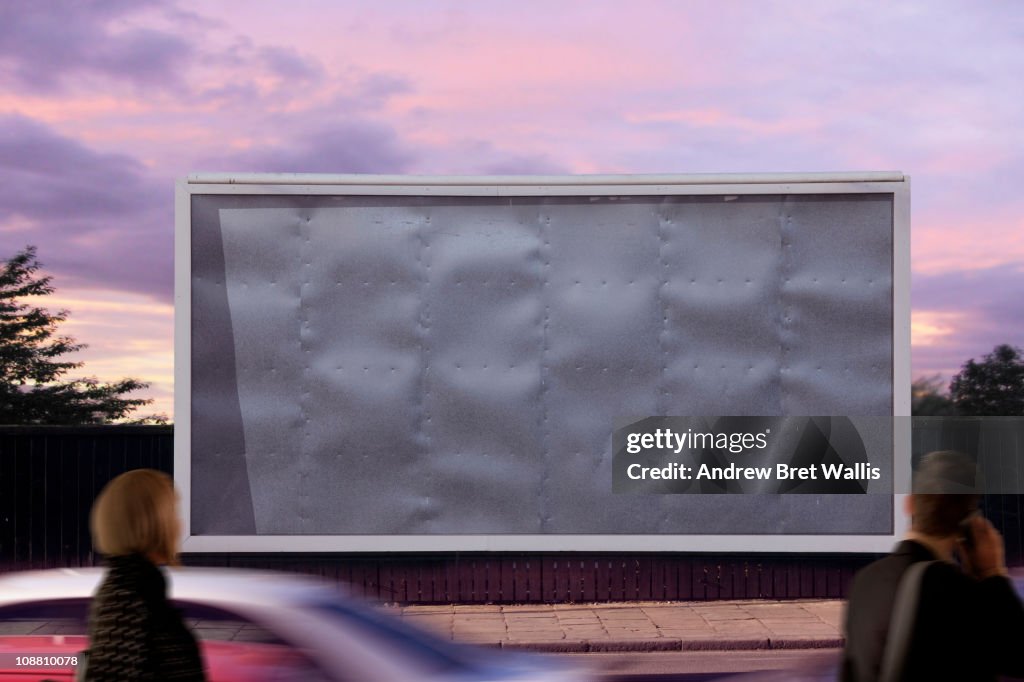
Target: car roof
[[207, 585]]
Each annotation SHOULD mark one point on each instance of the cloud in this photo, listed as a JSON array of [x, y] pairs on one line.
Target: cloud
[[127, 335], [48, 176], [997, 289], [472, 156], [43, 45], [972, 311], [288, 64], [522, 164], [350, 147], [48, 48], [377, 88], [243, 74], [487, 88], [98, 219]]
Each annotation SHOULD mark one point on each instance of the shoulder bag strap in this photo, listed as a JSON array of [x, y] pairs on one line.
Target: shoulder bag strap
[[901, 624]]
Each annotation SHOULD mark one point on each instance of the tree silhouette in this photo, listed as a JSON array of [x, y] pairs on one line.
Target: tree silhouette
[[928, 400], [992, 387], [32, 364]]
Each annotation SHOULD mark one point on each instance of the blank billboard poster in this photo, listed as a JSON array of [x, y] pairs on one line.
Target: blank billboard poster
[[402, 364]]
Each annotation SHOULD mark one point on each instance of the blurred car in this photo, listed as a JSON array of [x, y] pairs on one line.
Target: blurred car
[[254, 626], [812, 670]]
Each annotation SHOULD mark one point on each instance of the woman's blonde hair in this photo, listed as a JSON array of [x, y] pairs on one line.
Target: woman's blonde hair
[[136, 514]]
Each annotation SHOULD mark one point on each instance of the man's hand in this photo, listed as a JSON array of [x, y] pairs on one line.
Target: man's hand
[[987, 556]]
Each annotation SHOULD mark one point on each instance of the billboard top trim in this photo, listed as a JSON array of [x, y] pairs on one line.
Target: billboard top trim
[[534, 180]]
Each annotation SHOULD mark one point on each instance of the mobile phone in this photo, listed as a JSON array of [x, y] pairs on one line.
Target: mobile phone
[[966, 529]]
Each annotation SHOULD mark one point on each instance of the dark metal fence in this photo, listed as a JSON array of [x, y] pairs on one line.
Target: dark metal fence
[[569, 577], [49, 477]]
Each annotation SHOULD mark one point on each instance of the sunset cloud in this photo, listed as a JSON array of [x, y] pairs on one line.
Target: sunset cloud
[[43, 45], [103, 104], [127, 335], [964, 314], [98, 218]]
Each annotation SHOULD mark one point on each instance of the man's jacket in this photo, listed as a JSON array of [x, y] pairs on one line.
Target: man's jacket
[[964, 629]]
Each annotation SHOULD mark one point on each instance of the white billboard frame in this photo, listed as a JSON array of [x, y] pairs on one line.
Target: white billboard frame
[[895, 183]]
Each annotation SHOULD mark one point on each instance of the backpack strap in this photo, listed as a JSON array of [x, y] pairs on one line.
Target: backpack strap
[[901, 623]]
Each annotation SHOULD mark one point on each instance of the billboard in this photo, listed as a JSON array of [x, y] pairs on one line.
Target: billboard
[[415, 363]]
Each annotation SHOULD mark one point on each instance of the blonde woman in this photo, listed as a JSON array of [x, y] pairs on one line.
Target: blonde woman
[[134, 632]]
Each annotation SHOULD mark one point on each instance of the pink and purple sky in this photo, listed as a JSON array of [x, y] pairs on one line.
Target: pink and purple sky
[[104, 103]]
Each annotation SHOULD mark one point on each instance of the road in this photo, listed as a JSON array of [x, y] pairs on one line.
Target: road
[[698, 666]]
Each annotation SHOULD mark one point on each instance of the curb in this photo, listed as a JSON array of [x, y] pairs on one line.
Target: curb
[[564, 646], [808, 643], [735, 644]]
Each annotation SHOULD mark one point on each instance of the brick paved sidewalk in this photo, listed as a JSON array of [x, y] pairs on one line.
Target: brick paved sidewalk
[[639, 626]]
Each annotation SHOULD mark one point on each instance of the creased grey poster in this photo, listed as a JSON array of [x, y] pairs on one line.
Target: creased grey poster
[[436, 365]]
